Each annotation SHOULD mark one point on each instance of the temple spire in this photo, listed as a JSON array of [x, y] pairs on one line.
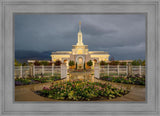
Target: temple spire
[[79, 26], [80, 41]]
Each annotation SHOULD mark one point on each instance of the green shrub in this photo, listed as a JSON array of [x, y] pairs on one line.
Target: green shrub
[[22, 81], [31, 80], [71, 63], [90, 63], [138, 62], [103, 62], [128, 80], [45, 63], [114, 63], [57, 63]]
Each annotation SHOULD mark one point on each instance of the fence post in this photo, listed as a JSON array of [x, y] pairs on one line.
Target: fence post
[[118, 69], [21, 71], [108, 69], [63, 70], [129, 69], [52, 70], [42, 69], [126, 70], [33, 70], [96, 71], [140, 70]]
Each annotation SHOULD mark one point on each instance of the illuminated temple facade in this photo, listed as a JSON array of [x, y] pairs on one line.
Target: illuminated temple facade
[[80, 54]]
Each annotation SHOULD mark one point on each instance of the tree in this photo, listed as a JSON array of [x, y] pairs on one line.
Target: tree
[[45, 63], [71, 63], [137, 62], [29, 63], [84, 66], [122, 63], [103, 63], [134, 62], [58, 63], [114, 63], [16, 63], [90, 63], [143, 63], [37, 63], [24, 64]]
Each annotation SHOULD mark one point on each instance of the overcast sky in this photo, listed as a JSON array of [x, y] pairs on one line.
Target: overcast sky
[[122, 35]]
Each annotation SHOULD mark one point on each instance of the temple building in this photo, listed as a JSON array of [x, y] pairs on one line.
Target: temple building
[[80, 54]]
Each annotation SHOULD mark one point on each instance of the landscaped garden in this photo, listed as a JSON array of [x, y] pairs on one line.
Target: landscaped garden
[[137, 80], [82, 90], [35, 80]]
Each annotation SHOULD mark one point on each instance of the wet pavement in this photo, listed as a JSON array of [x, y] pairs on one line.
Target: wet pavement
[[27, 92]]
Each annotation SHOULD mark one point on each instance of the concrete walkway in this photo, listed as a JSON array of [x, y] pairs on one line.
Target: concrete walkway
[[26, 92]]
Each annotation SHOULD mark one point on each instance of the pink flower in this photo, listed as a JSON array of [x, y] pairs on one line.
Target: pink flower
[[73, 85], [45, 88], [100, 88]]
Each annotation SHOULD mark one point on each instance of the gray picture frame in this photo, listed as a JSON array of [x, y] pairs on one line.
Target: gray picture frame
[[10, 107]]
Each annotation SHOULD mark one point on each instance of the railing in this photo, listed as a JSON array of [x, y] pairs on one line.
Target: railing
[[27, 71], [121, 70], [45, 71]]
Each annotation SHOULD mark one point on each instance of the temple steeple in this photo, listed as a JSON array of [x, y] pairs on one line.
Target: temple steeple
[[79, 26], [80, 41]]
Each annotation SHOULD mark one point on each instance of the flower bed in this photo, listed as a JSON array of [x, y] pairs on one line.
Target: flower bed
[[125, 80], [79, 90], [28, 81]]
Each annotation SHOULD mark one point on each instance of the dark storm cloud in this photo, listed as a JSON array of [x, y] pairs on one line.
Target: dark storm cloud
[[96, 30], [123, 35]]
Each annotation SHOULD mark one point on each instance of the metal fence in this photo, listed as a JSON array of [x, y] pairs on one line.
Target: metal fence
[[121, 70], [27, 71]]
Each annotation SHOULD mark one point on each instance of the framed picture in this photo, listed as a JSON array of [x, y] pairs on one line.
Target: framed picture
[[79, 57]]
